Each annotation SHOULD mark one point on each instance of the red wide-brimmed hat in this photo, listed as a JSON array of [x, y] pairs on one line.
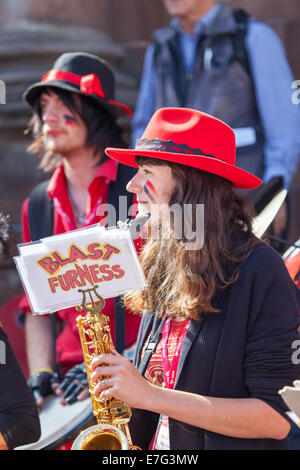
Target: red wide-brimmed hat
[[191, 138], [82, 73]]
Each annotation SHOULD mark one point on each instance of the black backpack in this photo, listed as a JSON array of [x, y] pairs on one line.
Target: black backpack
[[240, 53]]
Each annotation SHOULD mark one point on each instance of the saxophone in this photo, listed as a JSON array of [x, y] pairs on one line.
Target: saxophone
[[111, 431]]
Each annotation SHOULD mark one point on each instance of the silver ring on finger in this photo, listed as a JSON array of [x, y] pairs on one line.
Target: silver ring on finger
[[105, 383]]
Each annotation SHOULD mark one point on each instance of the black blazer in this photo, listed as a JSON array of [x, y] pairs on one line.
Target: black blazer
[[243, 351]]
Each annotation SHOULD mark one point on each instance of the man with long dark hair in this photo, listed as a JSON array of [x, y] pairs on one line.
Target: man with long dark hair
[[219, 317], [75, 119]]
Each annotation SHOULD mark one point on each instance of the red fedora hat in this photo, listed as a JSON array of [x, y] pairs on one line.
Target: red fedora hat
[[192, 138]]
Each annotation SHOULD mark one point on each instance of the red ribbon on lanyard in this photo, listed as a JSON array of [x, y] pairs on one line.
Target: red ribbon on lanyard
[[170, 370], [88, 220]]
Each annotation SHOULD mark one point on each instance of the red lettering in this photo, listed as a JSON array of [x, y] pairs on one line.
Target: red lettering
[[75, 254], [61, 261], [73, 278], [84, 274], [94, 251], [110, 250], [93, 270], [48, 265], [118, 272], [64, 282], [53, 284], [105, 269]]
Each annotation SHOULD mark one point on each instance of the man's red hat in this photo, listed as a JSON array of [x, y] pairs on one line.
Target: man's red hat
[[191, 138]]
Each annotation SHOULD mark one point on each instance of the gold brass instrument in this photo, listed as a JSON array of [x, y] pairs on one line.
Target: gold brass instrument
[[111, 432]]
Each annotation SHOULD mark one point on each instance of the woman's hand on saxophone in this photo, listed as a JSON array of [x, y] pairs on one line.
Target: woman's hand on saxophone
[[122, 380]]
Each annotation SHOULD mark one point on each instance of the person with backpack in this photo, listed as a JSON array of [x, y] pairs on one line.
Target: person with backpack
[[226, 63], [75, 117]]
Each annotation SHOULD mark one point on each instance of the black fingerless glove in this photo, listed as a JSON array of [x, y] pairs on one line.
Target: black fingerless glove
[[40, 384], [74, 383]]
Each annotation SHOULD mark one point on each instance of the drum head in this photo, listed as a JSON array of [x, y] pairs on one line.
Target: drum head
[[264, 219], [61, 424]]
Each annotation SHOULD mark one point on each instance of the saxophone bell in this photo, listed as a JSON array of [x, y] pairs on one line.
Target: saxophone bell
[[111, 431], [101, 437]]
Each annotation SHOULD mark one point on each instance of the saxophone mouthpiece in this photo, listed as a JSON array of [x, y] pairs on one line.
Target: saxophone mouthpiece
[[135, 225]]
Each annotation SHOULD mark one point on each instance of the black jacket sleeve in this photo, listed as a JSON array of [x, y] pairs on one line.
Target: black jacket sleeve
[[272, 332], [19, 420]]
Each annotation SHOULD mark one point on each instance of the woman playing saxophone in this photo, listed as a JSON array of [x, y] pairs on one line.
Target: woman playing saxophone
[[228, 307]]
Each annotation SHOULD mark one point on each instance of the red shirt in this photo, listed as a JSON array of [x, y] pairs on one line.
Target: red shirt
[[68, 347]]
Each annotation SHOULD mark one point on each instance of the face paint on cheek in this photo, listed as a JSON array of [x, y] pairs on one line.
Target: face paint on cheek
[[150, 190], [70, 120]]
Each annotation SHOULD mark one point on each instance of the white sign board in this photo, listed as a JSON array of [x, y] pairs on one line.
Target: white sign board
[[55, 269]]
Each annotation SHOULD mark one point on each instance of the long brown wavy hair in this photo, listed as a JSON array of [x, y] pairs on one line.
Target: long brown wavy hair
[[183, 281], [102, 129]]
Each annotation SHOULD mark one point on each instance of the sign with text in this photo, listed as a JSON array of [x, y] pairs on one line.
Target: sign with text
[[53, 270]]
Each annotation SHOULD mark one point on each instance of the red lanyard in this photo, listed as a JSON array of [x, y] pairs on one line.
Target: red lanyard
[[66, 218], [170, 370]]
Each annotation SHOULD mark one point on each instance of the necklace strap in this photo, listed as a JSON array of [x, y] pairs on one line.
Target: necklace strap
[[153, 341]]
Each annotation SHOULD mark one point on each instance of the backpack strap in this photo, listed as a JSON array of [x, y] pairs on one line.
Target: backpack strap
[[177, 69], [40, 212], [41, 222], [240, 52], [153, 341]]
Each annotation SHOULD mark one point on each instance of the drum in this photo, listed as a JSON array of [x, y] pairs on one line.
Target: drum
[[61, 424], [264, 219], [291, 397]]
